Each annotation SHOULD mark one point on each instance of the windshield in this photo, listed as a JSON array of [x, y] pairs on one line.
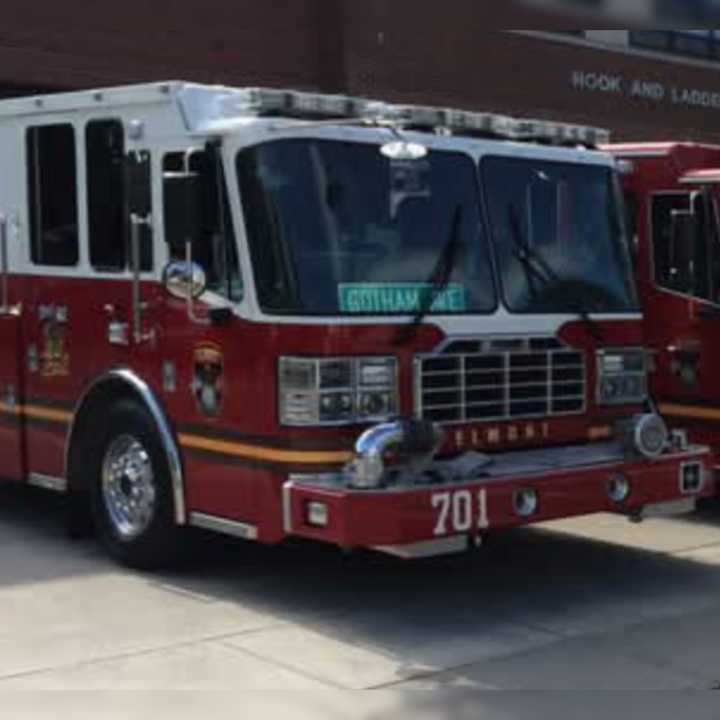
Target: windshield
[[337, 228], [559, 236]]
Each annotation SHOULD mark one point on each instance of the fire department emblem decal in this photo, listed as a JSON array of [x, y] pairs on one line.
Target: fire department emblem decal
[[685, 365], [54, 358], [208, 379]]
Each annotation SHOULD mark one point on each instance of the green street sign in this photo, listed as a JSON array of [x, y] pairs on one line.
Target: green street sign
[[399, 298]]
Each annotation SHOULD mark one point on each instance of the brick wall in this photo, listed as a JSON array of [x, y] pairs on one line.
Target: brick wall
[[412, 50], [467, 66], [87, 43]]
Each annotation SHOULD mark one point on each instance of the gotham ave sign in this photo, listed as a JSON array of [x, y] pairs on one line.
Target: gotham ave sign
[[613, 84]]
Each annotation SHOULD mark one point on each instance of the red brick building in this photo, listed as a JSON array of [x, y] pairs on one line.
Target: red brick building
[[640, 84]]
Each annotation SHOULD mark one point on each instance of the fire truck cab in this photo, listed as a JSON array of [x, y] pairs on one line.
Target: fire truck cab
[[278, 314], [671, 193]]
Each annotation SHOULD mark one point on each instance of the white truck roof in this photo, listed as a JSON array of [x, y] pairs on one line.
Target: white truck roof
[[213, 108]]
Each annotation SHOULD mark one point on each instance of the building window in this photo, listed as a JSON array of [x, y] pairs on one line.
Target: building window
[[703, 44]]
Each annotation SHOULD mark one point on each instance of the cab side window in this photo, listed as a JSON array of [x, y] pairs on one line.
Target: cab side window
[[107, 226], [684, 233], [215, 249], [118, 185], [52, 194]]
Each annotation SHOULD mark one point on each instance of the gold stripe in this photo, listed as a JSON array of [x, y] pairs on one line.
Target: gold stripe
[[11, 409], [690, 411], [43, 413], [254, 452], [37, 412]]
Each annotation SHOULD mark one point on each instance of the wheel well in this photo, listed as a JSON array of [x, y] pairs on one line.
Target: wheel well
[[118, 385], [98, 399]]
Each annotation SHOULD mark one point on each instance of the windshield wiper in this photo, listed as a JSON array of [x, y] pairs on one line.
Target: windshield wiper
[[439, 278], [530, 262], [535, 266]]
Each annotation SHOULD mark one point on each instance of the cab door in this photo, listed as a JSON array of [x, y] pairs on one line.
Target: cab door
[[205, 343]]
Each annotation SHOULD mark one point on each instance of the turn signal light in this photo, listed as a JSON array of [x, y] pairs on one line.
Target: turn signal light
[[618, 488], [525, 502]]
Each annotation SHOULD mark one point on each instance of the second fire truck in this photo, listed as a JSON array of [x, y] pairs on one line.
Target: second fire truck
[[278, 314], [671, 194]]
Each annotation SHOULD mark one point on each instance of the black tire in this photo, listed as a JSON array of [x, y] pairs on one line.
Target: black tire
[[158, 543]]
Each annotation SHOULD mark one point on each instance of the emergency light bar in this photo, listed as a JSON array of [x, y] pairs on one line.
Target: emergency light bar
[[233, 104]]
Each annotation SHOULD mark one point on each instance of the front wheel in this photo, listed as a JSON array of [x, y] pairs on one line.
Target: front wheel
[[132, 498]]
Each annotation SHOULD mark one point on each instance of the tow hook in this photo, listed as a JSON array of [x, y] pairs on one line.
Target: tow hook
[[636, 515]]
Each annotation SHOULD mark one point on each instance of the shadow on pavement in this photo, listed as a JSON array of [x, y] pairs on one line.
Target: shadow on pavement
[[535, 583]]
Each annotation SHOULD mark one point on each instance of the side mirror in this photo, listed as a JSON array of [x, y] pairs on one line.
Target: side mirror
[[183, 208], [184, 279]]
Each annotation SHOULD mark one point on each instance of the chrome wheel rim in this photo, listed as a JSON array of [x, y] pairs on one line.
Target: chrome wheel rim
[[128, 487]]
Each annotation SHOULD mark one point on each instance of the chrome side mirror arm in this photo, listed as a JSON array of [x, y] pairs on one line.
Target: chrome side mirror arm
[[194, 289]]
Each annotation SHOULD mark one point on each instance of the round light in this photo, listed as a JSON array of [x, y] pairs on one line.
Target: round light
[[612, 387], [374, 404], [618, 488], [525, 502], [650, 435], [633, 386], [403, 150], [335, 406]]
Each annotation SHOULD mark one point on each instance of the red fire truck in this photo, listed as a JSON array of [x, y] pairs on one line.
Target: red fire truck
[[278, 314], [671, 193]]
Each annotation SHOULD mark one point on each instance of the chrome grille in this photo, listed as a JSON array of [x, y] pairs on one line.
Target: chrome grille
[[504, 379]]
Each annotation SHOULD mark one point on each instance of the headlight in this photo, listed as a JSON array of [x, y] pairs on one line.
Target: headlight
[[337, 391], [622, 377], [377, 372], [650, 435], [336, 407]]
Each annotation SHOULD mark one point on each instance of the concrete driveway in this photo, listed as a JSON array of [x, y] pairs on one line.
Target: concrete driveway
[[593, 603]]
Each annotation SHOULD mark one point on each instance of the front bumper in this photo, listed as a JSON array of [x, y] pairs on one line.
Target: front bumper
[[566, 482]]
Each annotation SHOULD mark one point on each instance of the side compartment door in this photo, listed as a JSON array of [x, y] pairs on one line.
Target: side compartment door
[[12, 453], [12, 432]]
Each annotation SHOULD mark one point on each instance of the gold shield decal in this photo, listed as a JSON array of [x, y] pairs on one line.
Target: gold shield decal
[[208, 379]]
